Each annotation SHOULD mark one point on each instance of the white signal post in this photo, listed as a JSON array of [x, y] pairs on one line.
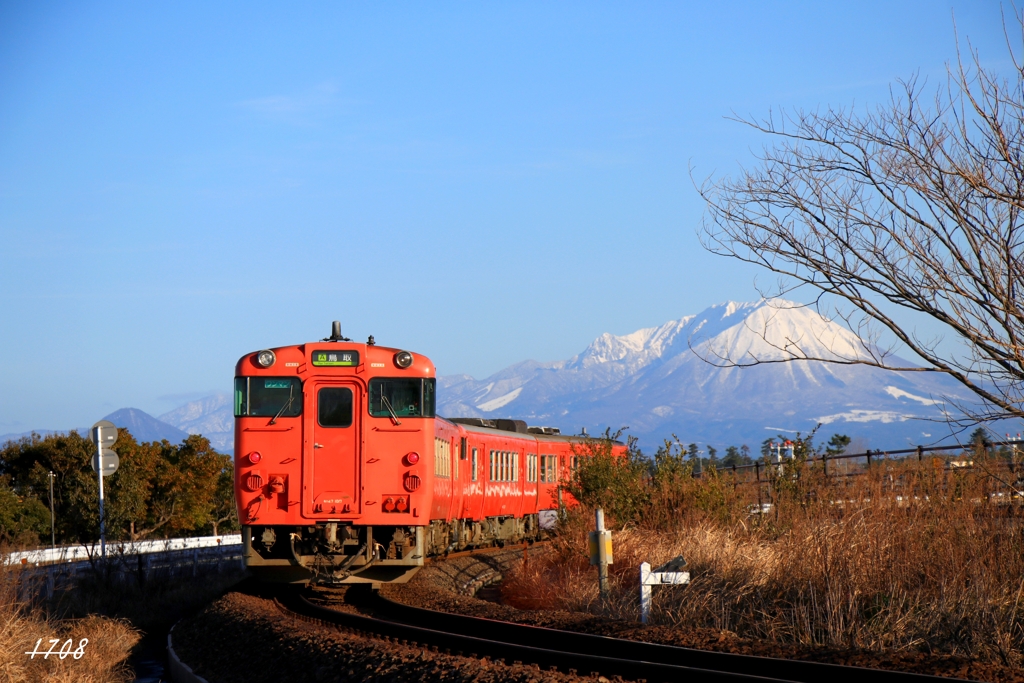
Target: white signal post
[[103, 433], [99, 473], [53, 519]]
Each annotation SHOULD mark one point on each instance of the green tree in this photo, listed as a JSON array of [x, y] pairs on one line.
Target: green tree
[[735, 457], [670, 463], [979, 443], [224, 515], [24, 519], [159, 489], [837, 444]]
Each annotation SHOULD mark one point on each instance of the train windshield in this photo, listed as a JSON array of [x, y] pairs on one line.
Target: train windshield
[[402, 397], [268, 397]]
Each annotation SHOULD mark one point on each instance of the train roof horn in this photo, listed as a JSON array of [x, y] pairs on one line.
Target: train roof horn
[[336, 332]]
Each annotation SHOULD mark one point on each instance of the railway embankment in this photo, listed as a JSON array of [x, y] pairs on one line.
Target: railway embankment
[[278, 645]]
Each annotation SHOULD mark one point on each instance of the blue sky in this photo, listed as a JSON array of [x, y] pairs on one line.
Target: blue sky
[[183, 183]]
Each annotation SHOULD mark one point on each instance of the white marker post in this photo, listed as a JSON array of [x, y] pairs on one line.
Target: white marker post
[[666, 574]]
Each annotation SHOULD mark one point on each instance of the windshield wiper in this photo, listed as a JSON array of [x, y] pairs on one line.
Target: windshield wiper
[[287, 405], [387, 404]]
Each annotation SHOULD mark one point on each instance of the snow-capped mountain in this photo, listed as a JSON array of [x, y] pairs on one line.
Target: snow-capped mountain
[[658, 381], [211, 416]]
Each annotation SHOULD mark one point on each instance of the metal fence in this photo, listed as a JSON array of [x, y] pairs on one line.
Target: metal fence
[[83, 552], [1003, 472], [1014, 464]]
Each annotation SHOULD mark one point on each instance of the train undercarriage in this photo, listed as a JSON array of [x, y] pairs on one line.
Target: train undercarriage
[[343, 553]]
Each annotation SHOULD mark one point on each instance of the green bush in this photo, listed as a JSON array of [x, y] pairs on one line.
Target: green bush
[[605, 480]]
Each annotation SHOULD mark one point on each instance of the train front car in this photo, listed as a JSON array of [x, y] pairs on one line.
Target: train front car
[[331, 453]]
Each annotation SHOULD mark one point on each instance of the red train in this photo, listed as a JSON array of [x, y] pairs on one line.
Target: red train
[[344, 473]]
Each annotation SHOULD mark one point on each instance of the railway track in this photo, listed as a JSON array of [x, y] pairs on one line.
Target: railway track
[[569, 651]]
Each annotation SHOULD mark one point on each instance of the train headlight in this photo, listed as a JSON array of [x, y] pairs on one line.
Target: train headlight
[[403, 359], [412, 458], [266, 358], [254, 457]]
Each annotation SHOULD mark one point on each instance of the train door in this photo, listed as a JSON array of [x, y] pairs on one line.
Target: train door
[[519, 480], [532, 486], [458, 448], [331, 453], [473, 500]]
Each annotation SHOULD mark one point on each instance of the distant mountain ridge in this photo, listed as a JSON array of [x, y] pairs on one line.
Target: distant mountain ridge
[[655, 381], [212, 416], [143, 426]]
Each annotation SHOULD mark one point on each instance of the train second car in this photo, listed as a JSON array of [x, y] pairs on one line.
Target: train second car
[[345, 474]]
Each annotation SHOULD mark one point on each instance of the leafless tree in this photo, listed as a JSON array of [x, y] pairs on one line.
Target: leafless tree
[[912, 209]]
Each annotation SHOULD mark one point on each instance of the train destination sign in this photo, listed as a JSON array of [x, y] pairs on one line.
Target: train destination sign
[[346, 359]]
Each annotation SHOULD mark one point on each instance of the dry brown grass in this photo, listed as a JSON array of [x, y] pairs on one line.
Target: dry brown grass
[[104, 656], [909, 557]]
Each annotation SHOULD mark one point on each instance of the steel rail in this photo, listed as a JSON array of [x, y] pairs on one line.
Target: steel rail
[[480, 647], [570, 641], [574, 652]]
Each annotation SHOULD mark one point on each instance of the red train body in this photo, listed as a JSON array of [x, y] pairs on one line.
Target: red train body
[[343, 473]]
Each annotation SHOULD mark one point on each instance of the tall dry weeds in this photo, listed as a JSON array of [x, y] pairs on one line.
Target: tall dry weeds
[[22, 624], [909, 556]]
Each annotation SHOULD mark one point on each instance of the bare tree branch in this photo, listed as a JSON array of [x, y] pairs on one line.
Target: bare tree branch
[[914, 208]]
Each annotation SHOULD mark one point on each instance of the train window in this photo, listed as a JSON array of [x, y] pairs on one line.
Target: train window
[[474, 464], [402, 397], [531, 467], [334, 407], [268, 397], [547, 469], [442, 458]]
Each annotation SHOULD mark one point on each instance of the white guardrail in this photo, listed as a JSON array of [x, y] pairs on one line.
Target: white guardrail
[[78, 553]]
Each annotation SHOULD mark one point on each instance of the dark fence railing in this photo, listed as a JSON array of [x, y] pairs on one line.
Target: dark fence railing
[[919, 451], [961, 458]]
